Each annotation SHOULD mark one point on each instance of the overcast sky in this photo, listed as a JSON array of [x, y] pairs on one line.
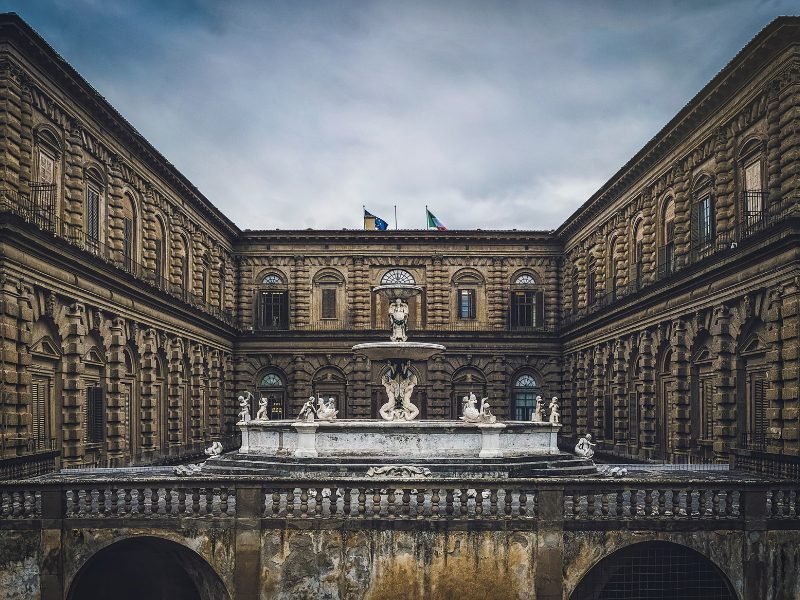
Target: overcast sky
[[496, 115]]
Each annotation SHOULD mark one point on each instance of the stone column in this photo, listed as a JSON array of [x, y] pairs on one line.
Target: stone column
[[683, 208], [581, 411], [647, 426], [73, 184], [16, 317], [301, 298], [724, 181], [359, 293], [567, 397], [498, 292], [774, 360], [359, 397], [598, 393], [174, 380], [116, 417], [648, 237], [11, 128], [549, 561], [789, 123], [438, 293], [149, 203], [247, 553], [150, 411], [680, 412], [773, 143], [580, 269], [620, 392], [438, 401], [73, 394], [196, 393], [300, 388], [114, 216], [724, 381], [26, 136], [215, 395], [551, 293]]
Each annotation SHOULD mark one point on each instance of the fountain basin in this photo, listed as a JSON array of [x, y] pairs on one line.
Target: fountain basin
[[398, 351]]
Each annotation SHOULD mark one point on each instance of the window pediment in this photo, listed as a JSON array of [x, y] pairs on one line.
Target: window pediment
[[46, 346]]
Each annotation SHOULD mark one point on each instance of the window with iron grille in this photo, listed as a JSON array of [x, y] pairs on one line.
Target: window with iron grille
[[40, 394], [466, 304], [702, 224], [93, 214], [329, 303], [158, 258], [127, 243], [272, 310]]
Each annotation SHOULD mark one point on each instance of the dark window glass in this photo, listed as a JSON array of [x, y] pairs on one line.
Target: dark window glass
[[328, 303], [272, 310], [93, 214], [127, 244], [466, 304], [94, 414]]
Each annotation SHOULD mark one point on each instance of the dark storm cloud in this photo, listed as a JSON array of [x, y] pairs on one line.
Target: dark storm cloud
[[495, 115]]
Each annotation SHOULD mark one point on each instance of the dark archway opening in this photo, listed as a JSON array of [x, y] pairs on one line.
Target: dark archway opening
[[147, 567], [654, 571]]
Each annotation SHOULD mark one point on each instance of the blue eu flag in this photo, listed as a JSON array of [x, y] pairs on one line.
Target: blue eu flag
[[373, 222]]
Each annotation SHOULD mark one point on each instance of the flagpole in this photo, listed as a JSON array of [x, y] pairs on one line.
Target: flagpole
[[363, 221], [395, 216], [427, 224]]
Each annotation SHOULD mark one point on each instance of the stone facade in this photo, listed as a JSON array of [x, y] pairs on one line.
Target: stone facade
[[664, 312]]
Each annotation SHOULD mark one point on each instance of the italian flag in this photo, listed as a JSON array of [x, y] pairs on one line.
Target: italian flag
[[434, 222]]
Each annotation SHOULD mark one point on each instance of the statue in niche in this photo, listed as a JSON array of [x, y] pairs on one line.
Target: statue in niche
[[244, 406], [555, 416], [307, 412], [398, 317], [538, 416], [326, 409], [261, 415], [584, 447]]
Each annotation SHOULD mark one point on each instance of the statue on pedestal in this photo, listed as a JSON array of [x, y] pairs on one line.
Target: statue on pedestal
[[555, 416], [307, 412], [475, 415], [244, 405], [537, 416], [261, 415], [326, 409]]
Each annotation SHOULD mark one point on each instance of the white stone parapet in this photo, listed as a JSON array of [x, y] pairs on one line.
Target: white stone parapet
[[402, 439]]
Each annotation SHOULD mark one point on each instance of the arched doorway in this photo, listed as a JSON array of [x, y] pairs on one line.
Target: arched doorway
[[172, 571], [654, 571]]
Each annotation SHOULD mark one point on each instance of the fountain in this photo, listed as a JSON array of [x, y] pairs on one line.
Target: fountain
[[399, 445]]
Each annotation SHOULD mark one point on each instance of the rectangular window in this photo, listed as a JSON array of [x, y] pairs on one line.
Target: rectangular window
[[127, 244], [522, 308], [40, 392], [591, 287], [706, 389], [466, 304], [93, 214], [204, 285], [47, 168], [95, 414], [633, 417], [157, 260], [273, 308], [328, 303], [758, 408]]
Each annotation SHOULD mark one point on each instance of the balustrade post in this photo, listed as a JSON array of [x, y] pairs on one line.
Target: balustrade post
[[53, 511], [550, 543], [753, 507], [249, 508]]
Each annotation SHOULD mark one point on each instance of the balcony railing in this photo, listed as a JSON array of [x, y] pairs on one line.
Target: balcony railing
[[38, 209], [752, 223]]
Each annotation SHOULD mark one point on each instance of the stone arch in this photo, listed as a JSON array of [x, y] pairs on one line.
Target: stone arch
[[173, 570], [653, 570]]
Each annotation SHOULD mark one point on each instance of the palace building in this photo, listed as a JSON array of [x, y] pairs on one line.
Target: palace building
[[665, 312]]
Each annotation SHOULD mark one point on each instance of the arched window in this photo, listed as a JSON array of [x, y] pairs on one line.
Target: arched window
[[636, 253], [527, 303], [523, 395], [94, 408], [397, 276], [47, 175], [591, 280], [221, 283], [752, 382], [185, 263], [94, 208], [752, 184], [703, 219], [272, 303], [45, 365], [330, 382], [702, 397], [665, 391], [666, 251], [205, 280], [466, 381], [329, 297], [159, 252], [129, 396], [129, 226]]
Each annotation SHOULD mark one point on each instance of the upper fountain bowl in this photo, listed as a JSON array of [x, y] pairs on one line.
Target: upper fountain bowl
[[398, 351], [393, 291]]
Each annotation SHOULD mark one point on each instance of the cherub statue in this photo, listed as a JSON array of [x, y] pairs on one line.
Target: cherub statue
[[307, 412], [398, 317], [486, 413], [261, 415], [537, 416], [326, 409], [244, 405], [555, 416], [584, 446]]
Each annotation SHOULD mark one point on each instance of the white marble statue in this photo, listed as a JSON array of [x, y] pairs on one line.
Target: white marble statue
[[215, 449], [398, 317], [244, 406], [537, 416], [392, 386], [555, 416], [261, 415], [408, 381], [307, 413], [584, 447], [477, 415], [326, 409]]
